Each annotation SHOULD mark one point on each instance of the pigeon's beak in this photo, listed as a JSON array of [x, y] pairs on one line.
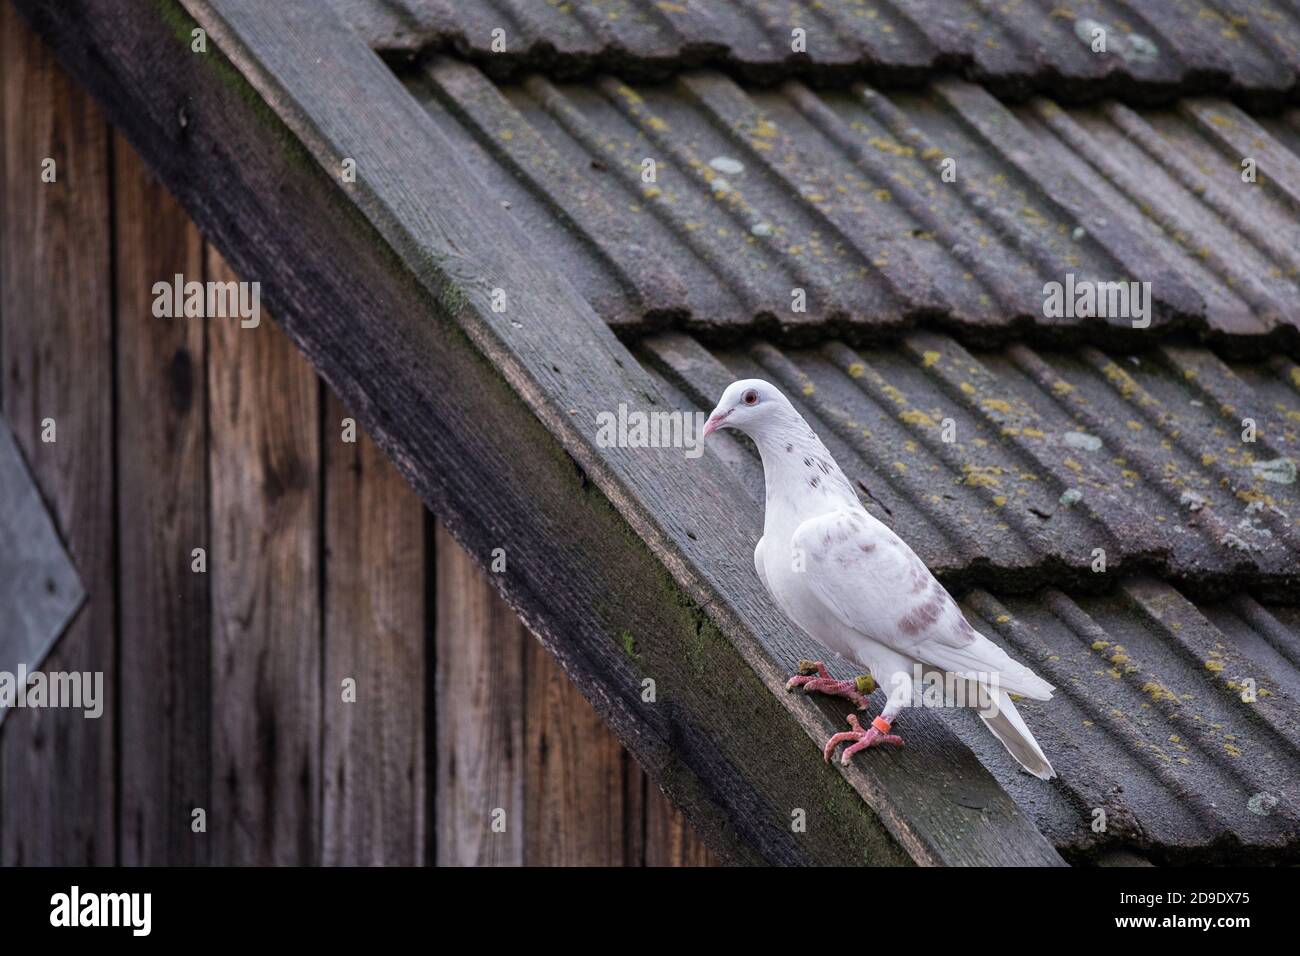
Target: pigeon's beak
[[715, 422]]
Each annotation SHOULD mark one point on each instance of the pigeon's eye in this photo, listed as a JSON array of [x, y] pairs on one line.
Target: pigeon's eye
[[750, 397]]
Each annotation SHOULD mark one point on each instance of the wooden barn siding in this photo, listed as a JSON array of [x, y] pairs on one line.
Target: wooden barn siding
[[226, 687], [57, 769]]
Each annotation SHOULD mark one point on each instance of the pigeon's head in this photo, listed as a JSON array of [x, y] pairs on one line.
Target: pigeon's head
[[752, 406]]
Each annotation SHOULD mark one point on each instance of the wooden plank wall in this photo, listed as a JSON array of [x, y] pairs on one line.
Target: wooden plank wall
[[331, 680], [57, 769], [164, 629]]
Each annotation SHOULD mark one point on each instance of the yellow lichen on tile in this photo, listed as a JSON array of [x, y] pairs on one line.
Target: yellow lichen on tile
[[889, 146], [1158, 692], [982, 476], [1120, 378]]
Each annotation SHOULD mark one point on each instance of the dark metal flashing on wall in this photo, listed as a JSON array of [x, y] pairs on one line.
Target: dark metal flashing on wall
[[40, 591]]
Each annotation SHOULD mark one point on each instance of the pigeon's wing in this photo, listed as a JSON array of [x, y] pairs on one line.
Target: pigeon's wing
[[758, 565], [875, 585]]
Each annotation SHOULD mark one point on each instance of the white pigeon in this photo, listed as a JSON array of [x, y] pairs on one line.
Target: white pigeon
[[855, 587]]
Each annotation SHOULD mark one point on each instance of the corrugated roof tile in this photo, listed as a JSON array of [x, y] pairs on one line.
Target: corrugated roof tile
[[1008, 468], [1177, 720], [1015, 48], [717, 208]]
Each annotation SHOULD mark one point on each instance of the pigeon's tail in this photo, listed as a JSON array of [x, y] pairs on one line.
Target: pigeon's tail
[[976, 654], [1021, 680], [1015, 736]]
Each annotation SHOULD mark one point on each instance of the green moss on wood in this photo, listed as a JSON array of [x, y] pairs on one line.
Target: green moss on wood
[[629, 646]]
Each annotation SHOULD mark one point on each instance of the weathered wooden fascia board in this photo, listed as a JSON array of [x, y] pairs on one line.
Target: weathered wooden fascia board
[[386, 284], [39, 588]]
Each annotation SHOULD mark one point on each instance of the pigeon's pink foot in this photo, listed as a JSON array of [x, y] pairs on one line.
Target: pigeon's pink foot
[[877, 734], [814, 678]]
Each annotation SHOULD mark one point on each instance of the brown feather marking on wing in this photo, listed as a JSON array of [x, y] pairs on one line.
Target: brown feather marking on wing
[[922, 617]]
